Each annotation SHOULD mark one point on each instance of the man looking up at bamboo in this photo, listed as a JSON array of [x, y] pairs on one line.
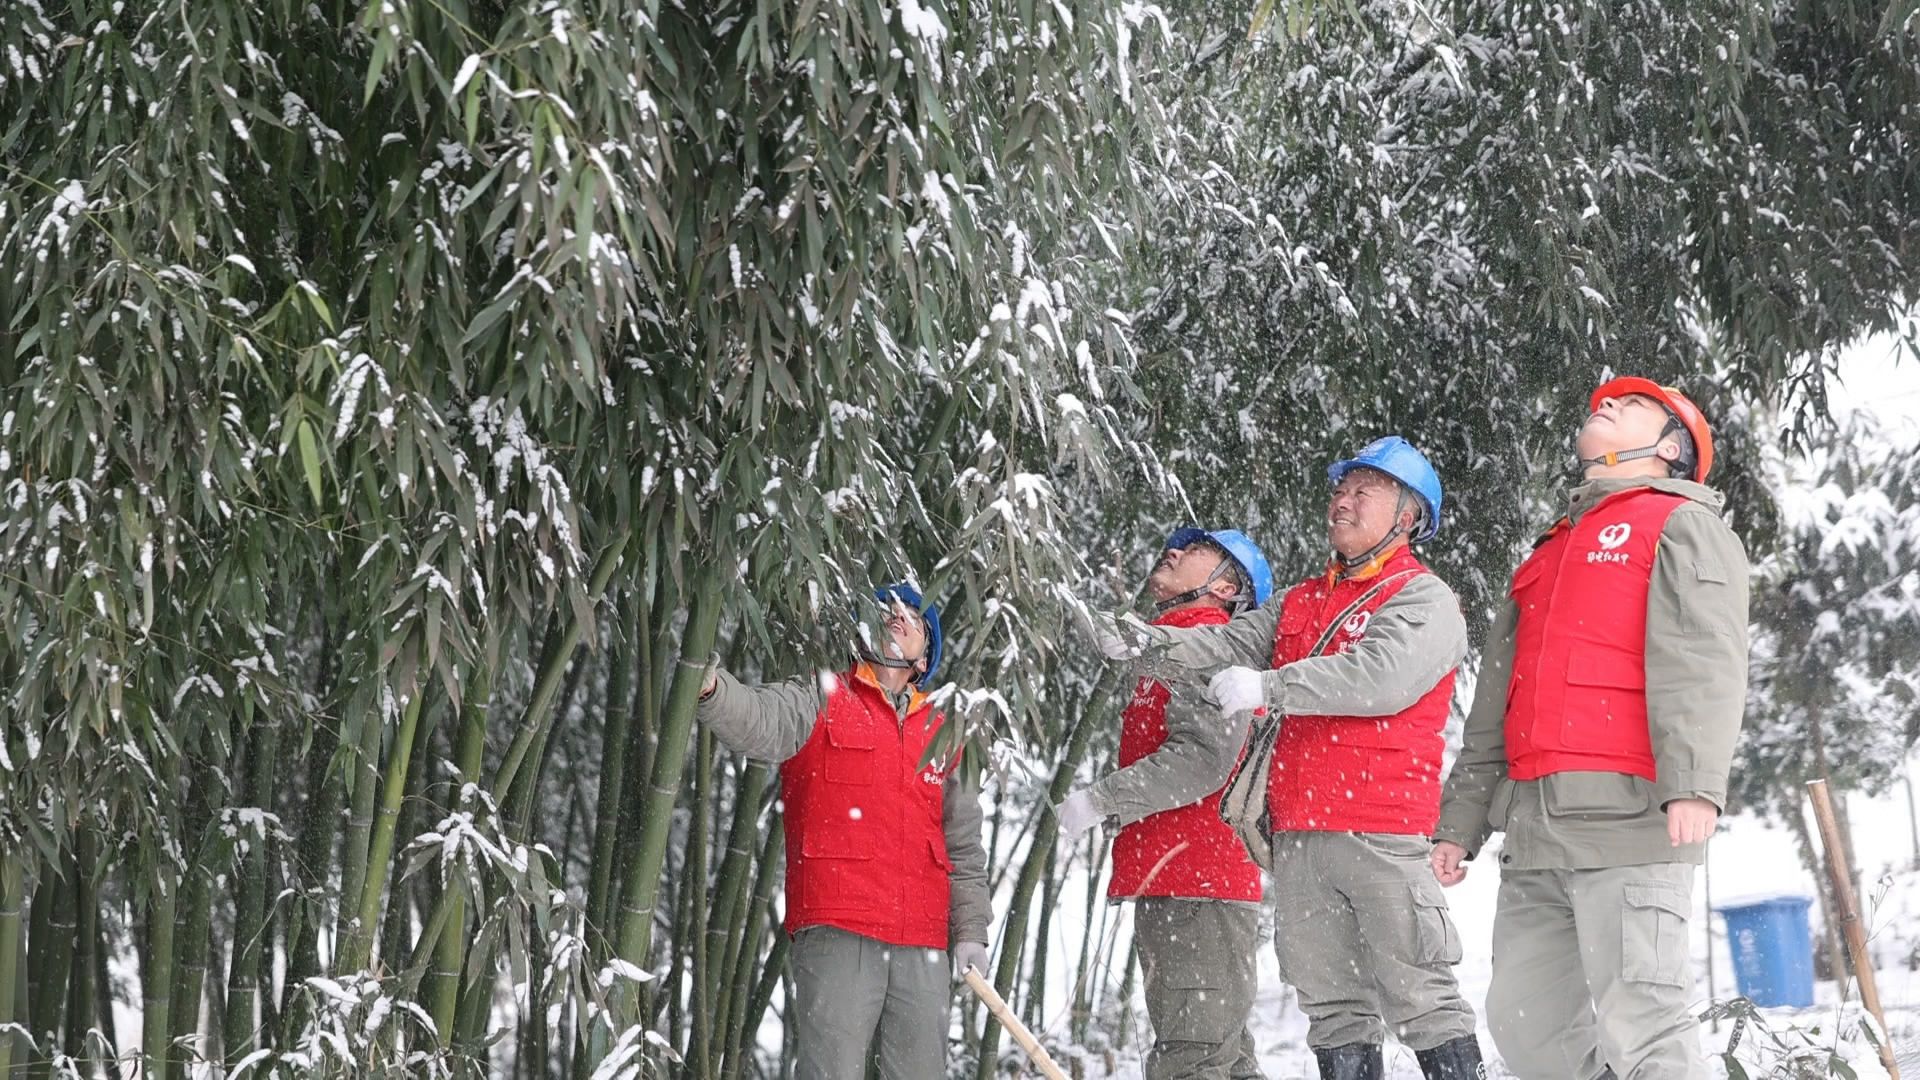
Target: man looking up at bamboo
[[1197, 913], [886, 875], [1358, 660], [1600, 739]]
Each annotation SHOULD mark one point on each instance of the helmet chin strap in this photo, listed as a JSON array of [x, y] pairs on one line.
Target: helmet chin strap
[[894, 662], [1205, 589], [1639, 453], [1615, 457], [1367, 558]]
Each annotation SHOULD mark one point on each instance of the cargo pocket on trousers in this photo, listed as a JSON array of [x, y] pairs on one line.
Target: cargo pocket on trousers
[[1189, 1006], [1653, 934], [1434, 933]]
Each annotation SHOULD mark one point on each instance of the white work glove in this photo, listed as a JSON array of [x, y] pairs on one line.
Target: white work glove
[[1077, 815], [1237, 690], [1114, 638], [969, 954]]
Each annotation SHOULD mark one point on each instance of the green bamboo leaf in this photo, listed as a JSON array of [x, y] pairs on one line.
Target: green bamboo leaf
[[310, 459]]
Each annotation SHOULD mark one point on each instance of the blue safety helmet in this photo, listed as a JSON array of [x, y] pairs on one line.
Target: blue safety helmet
[[1244, 552], [1397, 458], [936, 640]]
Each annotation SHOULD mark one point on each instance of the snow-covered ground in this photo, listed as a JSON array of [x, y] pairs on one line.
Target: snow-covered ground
[[1747, 859]]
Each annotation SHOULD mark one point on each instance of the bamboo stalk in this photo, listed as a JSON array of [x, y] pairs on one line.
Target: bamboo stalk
[[365, 769], [727, 917], [156, 974], [1841, 878], [86, 936], [1036, 984], [1041, 1059], [613, 753], [243, 1017], [442, 986], [553, 670], [48, 1007], [1014, 926], [770, 977], [357, 948], [12, 900], [648, 700], [196, 920], [696, 874], [642, 875], [735, 1019]]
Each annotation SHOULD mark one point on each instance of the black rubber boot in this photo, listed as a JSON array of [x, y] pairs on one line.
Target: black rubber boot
[[1354, 1061], [1455, 1060]]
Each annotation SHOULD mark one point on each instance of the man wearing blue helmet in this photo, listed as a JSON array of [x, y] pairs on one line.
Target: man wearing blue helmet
[[1352, 672], [886, 875], [1197, 914]]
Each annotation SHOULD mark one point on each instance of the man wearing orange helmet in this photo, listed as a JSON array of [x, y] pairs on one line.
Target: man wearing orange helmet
[[1600, 739]]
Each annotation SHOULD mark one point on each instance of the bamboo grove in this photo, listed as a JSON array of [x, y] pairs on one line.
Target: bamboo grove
[[406, 398]]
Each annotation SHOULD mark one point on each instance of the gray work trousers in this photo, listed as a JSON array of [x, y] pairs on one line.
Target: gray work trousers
[[1362, 932], [1197, 963], [850, 990], [1591, 970]]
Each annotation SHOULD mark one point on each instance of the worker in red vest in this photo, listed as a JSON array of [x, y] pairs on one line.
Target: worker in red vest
[[1360, 660], [1196, 919], [1600, 740], [886, 876]]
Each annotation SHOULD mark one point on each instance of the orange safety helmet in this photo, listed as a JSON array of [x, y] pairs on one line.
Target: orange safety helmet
[[1684, 412]]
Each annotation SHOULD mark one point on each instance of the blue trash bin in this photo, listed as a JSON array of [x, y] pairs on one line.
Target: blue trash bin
[[1772, 950]]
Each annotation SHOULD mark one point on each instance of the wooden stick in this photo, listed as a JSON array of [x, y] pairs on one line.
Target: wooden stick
[[1844, 904], [998, 1007]]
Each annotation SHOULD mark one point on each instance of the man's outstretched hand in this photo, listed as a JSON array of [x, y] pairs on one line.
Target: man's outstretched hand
[[1237, 690], [1077, 814]]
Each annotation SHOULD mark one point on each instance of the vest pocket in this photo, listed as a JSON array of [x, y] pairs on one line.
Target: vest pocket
[[1653, 934], [850, 758], [1606, 703], [840, 877]]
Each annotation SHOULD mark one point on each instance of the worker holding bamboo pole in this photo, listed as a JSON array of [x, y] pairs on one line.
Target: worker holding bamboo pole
[[1352, 673], [1196, 893], [886, 874], [1600, 740]]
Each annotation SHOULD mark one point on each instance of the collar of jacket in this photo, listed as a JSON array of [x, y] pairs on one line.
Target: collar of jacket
[[1591, 493], [1390, 559], [863, 673], [1192, 616]]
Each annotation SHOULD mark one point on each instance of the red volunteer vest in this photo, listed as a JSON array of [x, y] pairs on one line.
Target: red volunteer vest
[[1577, 699], [866, 851], [1213, 864], [1354, 773]]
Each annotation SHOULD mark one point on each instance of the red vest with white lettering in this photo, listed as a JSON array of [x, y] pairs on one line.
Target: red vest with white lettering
[[1354, 773], [1196, 854], [1577, 699], [866, 851]]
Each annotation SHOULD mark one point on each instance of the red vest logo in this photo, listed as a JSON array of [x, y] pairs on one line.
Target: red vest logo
[[1356, 625], [1610, 539]]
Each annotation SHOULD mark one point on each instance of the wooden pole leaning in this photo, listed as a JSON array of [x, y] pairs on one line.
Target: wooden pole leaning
[[1849, 911], [998, 1007]]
